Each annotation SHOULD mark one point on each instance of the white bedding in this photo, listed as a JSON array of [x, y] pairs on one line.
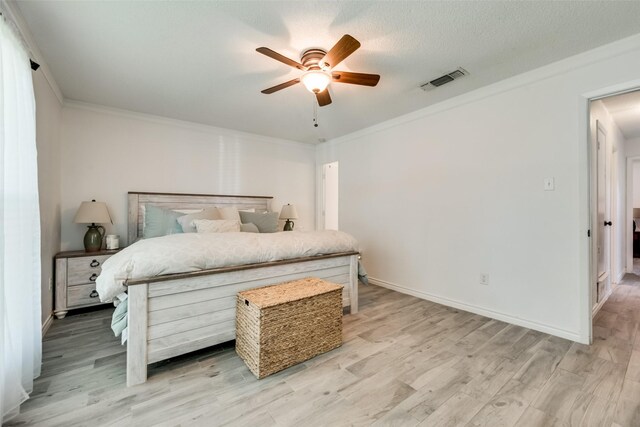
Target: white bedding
[[181, 253]]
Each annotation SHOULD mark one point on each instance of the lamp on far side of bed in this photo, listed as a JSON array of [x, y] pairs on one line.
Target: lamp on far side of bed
[[288, 212], [91, 213]]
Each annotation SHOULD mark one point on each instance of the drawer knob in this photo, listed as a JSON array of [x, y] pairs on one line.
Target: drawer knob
[[93, 277], [94, 263], [93, 294]]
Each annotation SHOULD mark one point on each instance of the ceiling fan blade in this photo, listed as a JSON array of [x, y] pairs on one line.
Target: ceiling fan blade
[[345, 47], [355, 78], [275, 55], [281, 86], [323, 98]]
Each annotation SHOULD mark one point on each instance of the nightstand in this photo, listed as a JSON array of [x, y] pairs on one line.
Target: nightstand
[[76, 274]]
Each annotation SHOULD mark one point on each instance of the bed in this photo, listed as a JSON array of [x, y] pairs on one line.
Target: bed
[[173, 314]]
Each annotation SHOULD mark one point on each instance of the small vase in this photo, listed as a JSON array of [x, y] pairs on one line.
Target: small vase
[[93, 238]]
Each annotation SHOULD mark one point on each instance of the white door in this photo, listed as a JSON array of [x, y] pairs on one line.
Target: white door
[[604, 216], [330, 195]]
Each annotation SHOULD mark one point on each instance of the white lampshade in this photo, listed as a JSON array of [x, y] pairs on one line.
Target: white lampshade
[[636, 212], [316, 81], [92, 212], [288, 212]]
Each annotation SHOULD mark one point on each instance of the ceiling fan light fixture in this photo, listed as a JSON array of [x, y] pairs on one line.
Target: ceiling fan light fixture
[[316, 81], [318, 66]]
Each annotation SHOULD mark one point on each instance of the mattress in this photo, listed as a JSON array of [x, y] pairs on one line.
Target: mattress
[[189, 252]]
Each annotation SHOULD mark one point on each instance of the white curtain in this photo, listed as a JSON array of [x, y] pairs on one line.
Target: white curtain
[[20, 330]]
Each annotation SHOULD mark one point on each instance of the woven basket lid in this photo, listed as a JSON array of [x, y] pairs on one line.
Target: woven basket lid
[[286, 292]]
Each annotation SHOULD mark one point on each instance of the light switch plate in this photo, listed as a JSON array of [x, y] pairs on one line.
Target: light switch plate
[[549, 184]]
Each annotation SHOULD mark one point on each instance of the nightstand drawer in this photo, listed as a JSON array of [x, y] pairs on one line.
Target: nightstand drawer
[[83, 270], [76, 274], [82, 295]]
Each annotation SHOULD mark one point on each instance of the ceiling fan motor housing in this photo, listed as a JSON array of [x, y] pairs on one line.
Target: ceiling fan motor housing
[[311, 57]]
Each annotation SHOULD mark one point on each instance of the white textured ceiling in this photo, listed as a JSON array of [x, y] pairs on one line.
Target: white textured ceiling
[[196, 61], [625, 110]]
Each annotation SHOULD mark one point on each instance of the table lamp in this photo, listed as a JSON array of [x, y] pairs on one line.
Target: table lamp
[[91, 213], [288, 212]]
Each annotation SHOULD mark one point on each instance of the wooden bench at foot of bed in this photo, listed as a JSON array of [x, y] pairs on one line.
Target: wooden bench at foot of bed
[[179, 313]]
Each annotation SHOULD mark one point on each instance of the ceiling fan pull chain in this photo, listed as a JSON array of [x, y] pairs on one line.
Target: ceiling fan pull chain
[[315, 114]]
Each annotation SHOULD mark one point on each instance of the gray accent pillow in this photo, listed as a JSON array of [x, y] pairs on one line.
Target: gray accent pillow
[[249, 228], [266, 222], [160, 222], [186, 221]]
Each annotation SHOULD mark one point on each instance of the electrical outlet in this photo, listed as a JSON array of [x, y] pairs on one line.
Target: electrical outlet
[[50, 284], [549, 184], [484, 279]]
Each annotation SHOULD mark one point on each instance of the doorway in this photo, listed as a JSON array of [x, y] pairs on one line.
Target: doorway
[[614, 151], [330, 196], [633, 212], [603, 230]]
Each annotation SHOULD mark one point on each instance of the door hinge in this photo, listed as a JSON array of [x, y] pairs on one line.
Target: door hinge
[[588, 233]]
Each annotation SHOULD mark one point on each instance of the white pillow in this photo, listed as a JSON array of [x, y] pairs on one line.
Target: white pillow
[[229, 213], [216, 225], [186, 221]]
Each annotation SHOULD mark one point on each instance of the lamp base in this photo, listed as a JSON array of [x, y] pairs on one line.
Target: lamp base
[[93, 238], [288, 226]]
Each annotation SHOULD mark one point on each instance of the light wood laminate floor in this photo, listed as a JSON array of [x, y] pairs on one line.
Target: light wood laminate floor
[[404, 362]]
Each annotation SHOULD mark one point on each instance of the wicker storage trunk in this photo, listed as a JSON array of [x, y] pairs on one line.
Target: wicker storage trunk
[[281, 325]]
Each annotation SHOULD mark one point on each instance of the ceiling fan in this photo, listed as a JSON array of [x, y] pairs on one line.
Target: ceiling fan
[[318, 67]]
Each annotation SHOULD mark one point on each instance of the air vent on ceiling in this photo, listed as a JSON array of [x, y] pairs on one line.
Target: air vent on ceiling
[[442, 80]]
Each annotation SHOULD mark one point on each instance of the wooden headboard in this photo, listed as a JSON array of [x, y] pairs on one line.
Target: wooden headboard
[[185, 201]]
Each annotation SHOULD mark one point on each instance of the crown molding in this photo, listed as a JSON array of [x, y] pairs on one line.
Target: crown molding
[[199, 127], [611, 50]]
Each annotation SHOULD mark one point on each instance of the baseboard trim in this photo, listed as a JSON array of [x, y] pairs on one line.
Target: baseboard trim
[[47, 324], [601, 303], [541, 327]]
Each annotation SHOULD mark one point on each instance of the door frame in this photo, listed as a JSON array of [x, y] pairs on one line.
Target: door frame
[[588, 196], [321, 223]]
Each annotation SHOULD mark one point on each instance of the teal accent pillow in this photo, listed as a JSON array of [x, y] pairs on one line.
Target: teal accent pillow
[[160, 222], [266, 222]]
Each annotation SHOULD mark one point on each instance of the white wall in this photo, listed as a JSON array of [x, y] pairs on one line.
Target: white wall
[[636, 188], [632, 147], [107, 153], [619, 202], [48, 118], [442, 195]]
